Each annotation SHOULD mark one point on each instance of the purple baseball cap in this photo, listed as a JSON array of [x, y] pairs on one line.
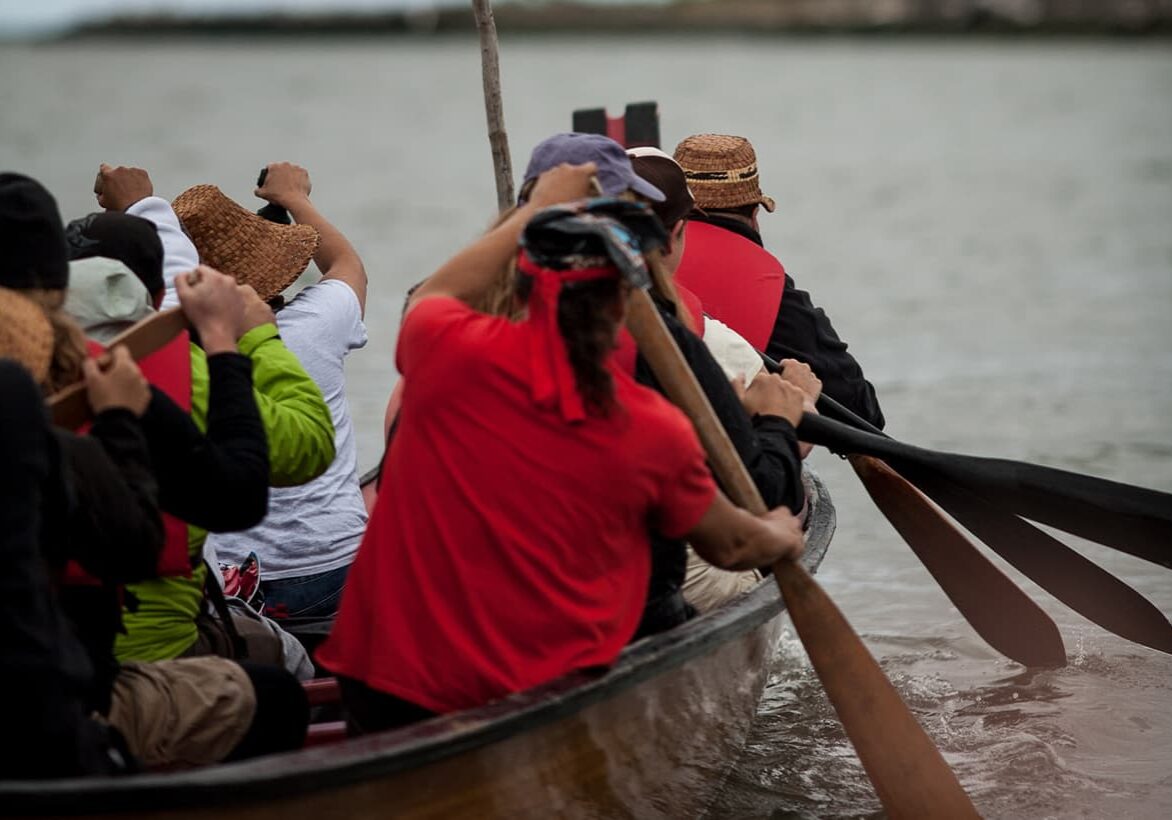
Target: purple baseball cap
[[615, 173]]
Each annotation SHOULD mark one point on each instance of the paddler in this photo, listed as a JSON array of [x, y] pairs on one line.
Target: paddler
[[172, 619], [767, 444], [311, 533], [508, 545], [239, 710], [745, 286], [766, 399]]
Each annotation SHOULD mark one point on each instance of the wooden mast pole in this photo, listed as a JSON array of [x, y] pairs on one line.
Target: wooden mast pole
[[490, 70]]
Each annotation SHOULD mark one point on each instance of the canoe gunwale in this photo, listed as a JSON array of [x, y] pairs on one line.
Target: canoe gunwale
[[388, 753]]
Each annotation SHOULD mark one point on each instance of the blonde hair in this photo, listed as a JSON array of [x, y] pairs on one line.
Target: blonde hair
[[499, 299], [69, 347]]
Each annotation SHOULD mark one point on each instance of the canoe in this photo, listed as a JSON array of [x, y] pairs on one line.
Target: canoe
[[651, 736]]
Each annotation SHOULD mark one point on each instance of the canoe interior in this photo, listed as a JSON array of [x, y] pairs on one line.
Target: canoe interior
[[649, 737]]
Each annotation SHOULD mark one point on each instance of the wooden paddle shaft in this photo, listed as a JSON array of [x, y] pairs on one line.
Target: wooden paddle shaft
[[70, 407], [910, 777]]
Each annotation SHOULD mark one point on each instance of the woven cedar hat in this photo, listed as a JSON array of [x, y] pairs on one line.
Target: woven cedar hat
[[721, 171], [25, 334], [266, 255]]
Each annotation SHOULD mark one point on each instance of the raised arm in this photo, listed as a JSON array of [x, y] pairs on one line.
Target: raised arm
[[288, 185], [123, 188], [475, 269]]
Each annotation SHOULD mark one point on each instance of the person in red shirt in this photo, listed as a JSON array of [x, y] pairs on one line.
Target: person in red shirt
[[509, 545]]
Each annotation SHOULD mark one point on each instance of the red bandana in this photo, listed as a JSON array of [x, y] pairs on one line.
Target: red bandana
[[553, 378]]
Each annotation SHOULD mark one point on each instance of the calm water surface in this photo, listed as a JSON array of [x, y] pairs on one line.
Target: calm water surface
[[989, 224]]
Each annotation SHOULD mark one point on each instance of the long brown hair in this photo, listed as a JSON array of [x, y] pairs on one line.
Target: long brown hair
[[69, 348], [586, 321]]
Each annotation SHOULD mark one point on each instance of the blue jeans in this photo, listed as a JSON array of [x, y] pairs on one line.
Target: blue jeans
[[306, 596]]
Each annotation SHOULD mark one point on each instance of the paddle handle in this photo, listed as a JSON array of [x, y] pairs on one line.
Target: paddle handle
[[826, 405], [910, 777], [272, 212], [70, 407]]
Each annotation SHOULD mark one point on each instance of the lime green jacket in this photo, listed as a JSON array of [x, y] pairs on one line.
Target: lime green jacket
[[300, 434]]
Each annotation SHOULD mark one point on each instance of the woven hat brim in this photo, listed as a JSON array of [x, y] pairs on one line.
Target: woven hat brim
[[266, 255], [722, 171], [26, 335], [711, 198]]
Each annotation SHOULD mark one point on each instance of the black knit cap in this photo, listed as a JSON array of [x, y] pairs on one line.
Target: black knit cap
[[131, 240], [32, 240]]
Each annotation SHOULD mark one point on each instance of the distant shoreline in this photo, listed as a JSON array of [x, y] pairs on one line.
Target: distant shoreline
[[911, 17]]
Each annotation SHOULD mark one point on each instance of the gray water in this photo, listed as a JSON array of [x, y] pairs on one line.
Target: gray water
[[989, 224]]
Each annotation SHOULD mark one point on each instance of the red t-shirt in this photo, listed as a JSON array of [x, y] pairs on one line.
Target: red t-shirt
[[506, 547]]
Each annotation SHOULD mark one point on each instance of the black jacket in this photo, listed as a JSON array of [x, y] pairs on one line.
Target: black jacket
[[218, 480], [48, 482], [803, 331], [766, 444]]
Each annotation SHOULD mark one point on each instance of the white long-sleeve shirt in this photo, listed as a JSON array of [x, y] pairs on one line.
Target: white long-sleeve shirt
[[179, 253]]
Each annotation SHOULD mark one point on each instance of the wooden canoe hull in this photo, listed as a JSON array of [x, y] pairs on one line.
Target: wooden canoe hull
[[650, 737]]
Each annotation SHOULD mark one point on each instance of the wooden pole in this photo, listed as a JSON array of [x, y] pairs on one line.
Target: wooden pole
[[490, 70]]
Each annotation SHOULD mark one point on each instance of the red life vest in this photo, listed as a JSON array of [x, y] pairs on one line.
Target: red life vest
[[739, 282], [169, 369]]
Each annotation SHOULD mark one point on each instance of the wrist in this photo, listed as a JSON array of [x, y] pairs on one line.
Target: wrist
[[217, 339], [293, 203]]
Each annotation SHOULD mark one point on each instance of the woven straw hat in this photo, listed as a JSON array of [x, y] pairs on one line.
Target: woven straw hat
[[232, 239], [721, 171], [25, 333]]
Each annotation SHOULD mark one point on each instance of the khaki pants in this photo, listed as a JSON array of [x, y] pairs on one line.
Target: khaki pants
[[706, 587], [189, 711]]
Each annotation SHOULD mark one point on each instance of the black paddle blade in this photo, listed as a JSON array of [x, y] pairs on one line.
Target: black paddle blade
[[994, 606], [1130, 519], [1082, 585], [1134, 520]]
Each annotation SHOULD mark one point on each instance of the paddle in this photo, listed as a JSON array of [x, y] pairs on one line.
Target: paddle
[[1080, 584], [999, 611], [70, 407], [272, 212], [994, 606], [910, 777], [1077, 582], [1134, 520]]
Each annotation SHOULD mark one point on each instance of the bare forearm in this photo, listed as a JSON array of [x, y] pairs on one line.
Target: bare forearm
[[334, 247], [733, 539], [335, 257], [475, 269]]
